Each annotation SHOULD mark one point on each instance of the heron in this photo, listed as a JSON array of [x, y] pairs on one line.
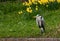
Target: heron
[[40, 22]]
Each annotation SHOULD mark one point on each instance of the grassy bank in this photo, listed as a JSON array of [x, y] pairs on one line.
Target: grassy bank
[[13, 24]]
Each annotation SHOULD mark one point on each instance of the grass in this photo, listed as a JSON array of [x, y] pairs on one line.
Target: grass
[[14, 25]]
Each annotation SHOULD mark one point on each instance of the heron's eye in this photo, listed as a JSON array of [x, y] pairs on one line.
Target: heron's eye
[[41, 17]]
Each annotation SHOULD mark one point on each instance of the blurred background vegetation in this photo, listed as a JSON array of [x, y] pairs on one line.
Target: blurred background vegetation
[[17, 18], [29, 6]]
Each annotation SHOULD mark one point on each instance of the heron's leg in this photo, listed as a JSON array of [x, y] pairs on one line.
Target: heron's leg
[[42, 25], [39, 26], [42, 30]]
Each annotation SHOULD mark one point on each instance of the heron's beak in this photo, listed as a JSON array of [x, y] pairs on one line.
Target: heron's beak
[[34, 16]]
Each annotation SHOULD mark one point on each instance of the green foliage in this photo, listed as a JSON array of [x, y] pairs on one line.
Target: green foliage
[[8, 7], [6, 0], [41, 8], [52, 5], [13, 24]]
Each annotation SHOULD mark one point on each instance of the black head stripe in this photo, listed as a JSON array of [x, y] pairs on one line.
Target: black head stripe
[[41, 17]]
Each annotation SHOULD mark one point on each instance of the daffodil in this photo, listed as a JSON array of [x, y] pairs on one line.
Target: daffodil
[[27, 4], [58, 1], [39, 1], [44, 1], [29, 10], [23, 3], [30, 2], [46, 5], [36, 8], [33, 1], [51, 0], [36, 3], [20, 12]]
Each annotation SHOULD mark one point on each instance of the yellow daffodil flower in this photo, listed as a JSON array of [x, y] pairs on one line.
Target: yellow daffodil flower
[[51, 0], [20, 12], [39, 1], [30, 2], [58, 1], [36, 8], [33, 1], [44, 1], [46, 5], [29, 10], [23, 3], [27, 4]]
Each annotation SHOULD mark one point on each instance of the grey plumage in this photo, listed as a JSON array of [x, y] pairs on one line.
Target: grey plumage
[[40, 22]]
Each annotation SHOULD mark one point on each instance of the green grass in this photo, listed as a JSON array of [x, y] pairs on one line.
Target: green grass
[[14, 25]]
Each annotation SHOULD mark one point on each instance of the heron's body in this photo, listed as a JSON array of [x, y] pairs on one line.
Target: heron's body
[[40, 22]]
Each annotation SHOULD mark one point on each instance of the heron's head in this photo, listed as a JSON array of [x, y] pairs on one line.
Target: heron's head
[[37, 15]]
